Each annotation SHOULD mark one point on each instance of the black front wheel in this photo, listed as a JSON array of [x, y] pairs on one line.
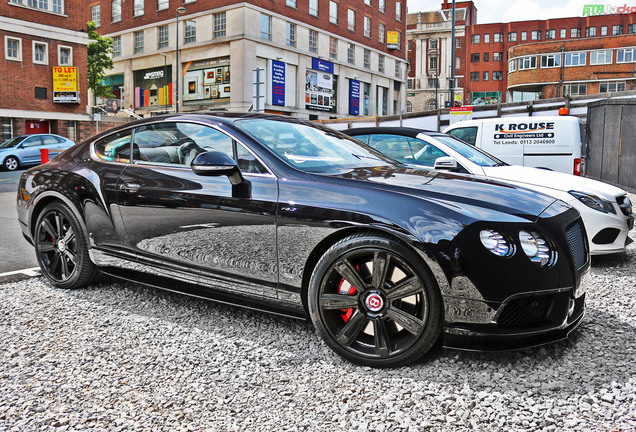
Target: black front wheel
[[374, 301], [61, 247]]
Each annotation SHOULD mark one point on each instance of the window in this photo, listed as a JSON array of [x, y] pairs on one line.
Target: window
[[95, 15], [432, 63], [351, 20], [474, 76], [433, 83], [291, 34], [116, 46], [333, 12], [382, 33], [575, 89], [486, 57], [40, 53], [71, 130], [7, 128], [497, 37], [590, 31], [313, 7], [115, 147], [409, 107], [40, 93], [485, 76], [313, 41], [497, 76], [367, 58], [163, 4], [474, 57], [458, 62], [612, 87], [115, 10], [524, 35], [550, 60], [139, 41], [219, 25], [512, 37], [512, 65], [527, 63], [162, 36], [398, 11], [603, 30], [381, 63], [535, 35], [138, 7], [575, 33], [631, 29], [498, 56], [564, 33], [190, 33], [601, 57], [351, 53], [626, 55], [55, 6], [291, 3], [487, 38], [432, 44], [475, 39], [458, 43], [367, 2], [367, 27], [64, 55], [575, 59], [617, 30], [266, 27], [381, 6], [550, 34], [333, 47]]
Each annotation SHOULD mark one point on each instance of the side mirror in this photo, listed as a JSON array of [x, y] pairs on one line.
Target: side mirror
[[446, 163], [215, 163]]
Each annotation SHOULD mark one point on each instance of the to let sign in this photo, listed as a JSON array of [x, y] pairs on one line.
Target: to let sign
[[65, 87]]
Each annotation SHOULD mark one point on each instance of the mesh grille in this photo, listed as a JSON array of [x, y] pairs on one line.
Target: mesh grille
[[576, 240], [525, 311]]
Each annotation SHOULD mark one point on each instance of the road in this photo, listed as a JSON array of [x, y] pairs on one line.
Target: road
[[16, 253]]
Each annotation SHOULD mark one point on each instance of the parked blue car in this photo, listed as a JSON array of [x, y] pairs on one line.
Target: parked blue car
[[25, 149]]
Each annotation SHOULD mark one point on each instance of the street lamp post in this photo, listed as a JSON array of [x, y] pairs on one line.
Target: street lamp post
[[165, 78], [179, 10]]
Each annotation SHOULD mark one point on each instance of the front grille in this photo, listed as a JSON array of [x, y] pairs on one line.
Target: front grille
[[625, 205], [526, 311], [577, 243]]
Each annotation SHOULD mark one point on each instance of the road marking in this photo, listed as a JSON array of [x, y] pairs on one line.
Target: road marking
[[6, 179], [33, 271]]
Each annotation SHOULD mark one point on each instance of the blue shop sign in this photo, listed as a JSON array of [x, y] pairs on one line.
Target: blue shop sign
[[321, 65], [278, 83], [354, 97]]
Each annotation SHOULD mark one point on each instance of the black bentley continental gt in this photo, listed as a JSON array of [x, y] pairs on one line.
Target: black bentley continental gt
[[293, 218]]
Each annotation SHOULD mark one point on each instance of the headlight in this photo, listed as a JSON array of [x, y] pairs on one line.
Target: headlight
[[594, 202], [536, 248], [496, 243]]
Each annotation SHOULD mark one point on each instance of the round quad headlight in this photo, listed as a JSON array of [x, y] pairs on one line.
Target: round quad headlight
[[495, 242], [536, 247]]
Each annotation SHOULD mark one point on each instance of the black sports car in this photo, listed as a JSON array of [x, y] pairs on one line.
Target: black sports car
[[294, 218]]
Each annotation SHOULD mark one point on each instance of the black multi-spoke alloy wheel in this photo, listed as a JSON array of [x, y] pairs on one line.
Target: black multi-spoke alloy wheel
[[61, 247], [373, 300]]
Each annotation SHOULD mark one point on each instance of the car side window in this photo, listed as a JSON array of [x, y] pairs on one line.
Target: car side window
[[467, 134], [363, 138], [32, 142], [427, 155], [398, 147], [49, 140], [114, 148]]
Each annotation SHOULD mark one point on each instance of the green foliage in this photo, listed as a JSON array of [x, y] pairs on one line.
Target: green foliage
[[99, 61]]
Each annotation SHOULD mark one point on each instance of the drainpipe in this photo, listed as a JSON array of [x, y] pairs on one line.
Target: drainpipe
[[562, 67]]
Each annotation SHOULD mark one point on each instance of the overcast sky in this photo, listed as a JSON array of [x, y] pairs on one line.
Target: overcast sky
[[490, 11]]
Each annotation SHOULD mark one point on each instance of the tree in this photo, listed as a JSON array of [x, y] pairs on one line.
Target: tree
[[99, 61]]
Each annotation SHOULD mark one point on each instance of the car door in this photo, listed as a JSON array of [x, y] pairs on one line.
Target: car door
[[202, 228], [30, 150]]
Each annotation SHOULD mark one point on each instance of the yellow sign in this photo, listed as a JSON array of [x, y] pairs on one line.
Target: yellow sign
[[65, 79], [392, 37]]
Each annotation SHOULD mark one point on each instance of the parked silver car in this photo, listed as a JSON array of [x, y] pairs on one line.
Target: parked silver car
[[25, 149]]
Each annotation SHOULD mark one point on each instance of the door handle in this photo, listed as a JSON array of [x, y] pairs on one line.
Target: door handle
[[130, 187]]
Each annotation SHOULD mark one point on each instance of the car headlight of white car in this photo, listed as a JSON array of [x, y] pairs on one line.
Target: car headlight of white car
[[594, 202]]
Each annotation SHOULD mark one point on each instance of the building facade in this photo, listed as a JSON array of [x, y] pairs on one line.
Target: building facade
[[313, 59], [44, 63]]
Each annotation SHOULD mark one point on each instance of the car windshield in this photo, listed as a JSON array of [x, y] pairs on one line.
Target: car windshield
[[312, 149], [11, 142], [471, 153]]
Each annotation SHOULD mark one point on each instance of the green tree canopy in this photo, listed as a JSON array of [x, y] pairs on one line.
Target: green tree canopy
[[99, 61]]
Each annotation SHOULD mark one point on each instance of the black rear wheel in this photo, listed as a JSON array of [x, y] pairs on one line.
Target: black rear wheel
[[61, 247], [374, 302]]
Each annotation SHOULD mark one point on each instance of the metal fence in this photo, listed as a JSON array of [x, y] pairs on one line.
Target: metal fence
[[611, 142]]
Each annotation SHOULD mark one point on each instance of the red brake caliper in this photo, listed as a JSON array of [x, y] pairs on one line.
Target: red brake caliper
[[346, 288]]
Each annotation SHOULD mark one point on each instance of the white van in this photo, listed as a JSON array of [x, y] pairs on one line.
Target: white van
[[553, 142]]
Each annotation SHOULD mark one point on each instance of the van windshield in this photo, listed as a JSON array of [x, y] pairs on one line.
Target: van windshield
[[473, 154]]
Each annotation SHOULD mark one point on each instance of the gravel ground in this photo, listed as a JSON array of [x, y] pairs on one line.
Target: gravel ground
[[122, 357]]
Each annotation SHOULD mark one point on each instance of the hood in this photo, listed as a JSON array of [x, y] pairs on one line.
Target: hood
[[553, 180], [458, 190]]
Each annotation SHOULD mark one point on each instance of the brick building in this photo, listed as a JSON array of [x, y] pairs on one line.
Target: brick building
[[43, 68], [489, 79], [316, 58]]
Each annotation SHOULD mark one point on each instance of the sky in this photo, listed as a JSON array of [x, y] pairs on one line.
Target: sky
[[492, 11]]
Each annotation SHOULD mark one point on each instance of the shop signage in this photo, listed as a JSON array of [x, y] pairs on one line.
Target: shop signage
[[322, 65], [354, 97], [278, 83]]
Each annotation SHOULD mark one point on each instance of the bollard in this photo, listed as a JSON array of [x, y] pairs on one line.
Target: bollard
[[44, 155]]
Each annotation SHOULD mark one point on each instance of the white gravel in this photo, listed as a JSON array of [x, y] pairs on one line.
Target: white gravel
[[122, 357]]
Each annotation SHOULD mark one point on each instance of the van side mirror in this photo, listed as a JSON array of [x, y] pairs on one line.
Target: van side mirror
[[214, 164], [446, 163]]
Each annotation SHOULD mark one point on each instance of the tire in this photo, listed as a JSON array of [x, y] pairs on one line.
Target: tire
[[393, 320], [11, 163], [61, 248]]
